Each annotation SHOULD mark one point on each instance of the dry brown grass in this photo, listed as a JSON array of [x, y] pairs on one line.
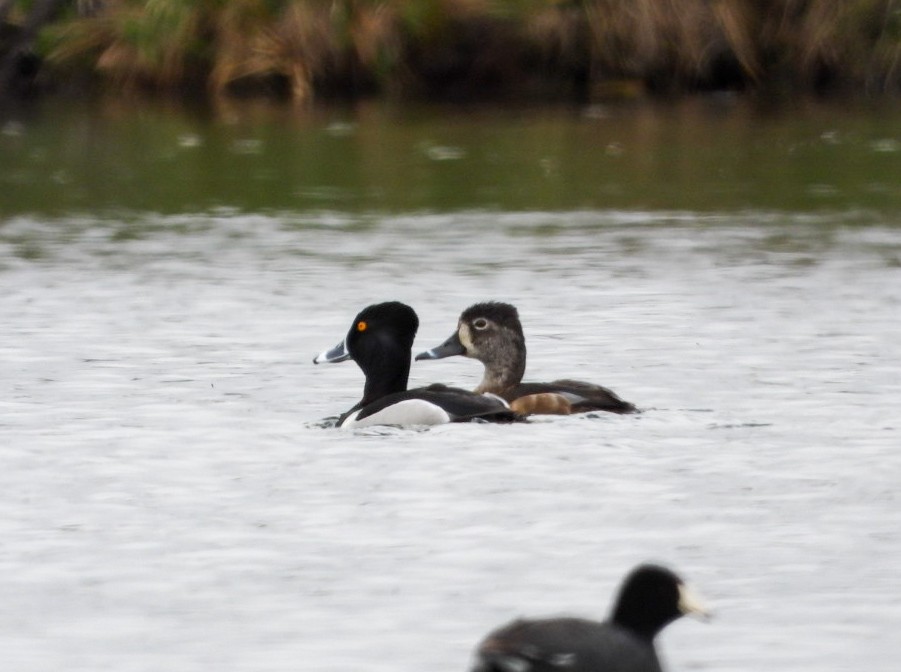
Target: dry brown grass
[[296, 47], [797, 43], [667, 45], [133, 44]]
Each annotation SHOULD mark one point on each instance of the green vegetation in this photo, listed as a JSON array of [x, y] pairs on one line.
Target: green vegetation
[[462, 48]]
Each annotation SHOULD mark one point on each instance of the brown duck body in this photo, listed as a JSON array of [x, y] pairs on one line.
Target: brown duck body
[[562, 397], [492, 333]]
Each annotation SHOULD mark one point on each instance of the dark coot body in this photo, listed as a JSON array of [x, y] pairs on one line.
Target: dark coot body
[[651, 597]]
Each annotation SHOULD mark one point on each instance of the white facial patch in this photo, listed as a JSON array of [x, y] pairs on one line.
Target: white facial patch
[[465, 337]]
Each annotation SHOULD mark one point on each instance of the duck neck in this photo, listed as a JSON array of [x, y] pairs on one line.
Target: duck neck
[[384, 380], [503, 371]]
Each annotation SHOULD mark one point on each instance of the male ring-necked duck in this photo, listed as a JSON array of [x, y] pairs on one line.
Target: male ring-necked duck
[[379, 341], [491, 332], [650, 598]]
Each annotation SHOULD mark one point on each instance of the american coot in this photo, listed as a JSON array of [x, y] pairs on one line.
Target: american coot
[[650, 598], [491, 332], [379, 341]]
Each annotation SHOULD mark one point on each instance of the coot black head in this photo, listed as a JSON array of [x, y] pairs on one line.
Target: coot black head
[[651, 597]]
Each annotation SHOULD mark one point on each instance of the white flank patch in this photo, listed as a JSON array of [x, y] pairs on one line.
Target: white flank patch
[[571, 397], [492, 395], [406, 412]]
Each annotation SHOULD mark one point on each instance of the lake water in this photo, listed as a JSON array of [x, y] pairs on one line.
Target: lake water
[[170, 499]]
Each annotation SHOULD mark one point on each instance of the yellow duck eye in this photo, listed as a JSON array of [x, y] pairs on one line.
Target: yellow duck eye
[[361, 326]]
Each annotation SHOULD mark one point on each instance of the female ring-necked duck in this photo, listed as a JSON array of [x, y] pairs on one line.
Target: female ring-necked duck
[[650, 598], [379, 341], [492, 333]]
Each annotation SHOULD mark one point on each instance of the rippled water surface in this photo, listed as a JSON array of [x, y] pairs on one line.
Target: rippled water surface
[[169, 498]]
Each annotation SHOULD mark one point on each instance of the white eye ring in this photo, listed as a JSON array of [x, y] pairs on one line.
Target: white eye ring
[[480, 323]]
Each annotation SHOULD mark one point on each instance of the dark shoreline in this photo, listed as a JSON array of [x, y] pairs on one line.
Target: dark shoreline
[[455, 52]]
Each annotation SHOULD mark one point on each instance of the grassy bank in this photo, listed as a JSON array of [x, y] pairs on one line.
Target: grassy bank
[[466, 48]]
